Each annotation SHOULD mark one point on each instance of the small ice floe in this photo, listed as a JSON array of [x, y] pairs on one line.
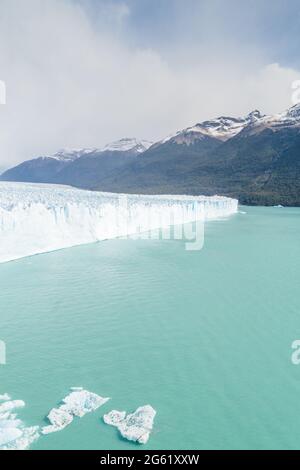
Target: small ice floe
[[78, 403], [5, 397], [13, 434], [11, 405], [134, 427], [279, 206]]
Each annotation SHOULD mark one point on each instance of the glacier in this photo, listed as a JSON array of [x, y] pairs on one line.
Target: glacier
[[38, 218], [134, 427]]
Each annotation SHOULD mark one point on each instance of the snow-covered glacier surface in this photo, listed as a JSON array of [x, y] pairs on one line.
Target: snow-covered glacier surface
[[36, 218]]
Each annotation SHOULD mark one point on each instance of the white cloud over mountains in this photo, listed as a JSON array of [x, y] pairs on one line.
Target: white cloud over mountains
[[75, 82]]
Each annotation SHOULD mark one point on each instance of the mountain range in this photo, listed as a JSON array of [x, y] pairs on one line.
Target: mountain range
[[255, 158]]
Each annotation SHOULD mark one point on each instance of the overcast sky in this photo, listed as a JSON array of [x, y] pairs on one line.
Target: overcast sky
[[81, 73]]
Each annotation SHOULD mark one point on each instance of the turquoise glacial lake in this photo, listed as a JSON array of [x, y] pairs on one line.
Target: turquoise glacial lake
[[203, 336]]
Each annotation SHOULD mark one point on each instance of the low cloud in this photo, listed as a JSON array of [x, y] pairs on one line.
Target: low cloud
[[74, 82]]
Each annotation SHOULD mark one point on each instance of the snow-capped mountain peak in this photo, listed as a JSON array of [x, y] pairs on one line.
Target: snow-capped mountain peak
[[70, 155], [128, 144], [288, 119], [254, 116], [293, 112], [123, 145], [222, 128]]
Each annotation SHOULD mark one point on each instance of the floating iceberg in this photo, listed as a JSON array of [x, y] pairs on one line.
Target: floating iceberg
[[78, 403], [13, 433], [59, 420], [36, 218], [134, 427], [5, 397]]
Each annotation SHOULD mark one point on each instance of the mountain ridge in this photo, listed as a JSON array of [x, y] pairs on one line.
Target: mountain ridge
[[255, 158]]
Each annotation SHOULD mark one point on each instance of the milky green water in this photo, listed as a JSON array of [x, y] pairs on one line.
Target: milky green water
[[204, 337]]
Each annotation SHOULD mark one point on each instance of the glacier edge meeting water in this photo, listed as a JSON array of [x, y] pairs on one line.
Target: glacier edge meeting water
[[37, 218]]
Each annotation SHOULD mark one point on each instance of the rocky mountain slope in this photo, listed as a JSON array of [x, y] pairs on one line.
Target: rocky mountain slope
[[78, 167]]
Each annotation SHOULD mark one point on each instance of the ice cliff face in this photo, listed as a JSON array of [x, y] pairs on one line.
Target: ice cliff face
[[40, 218]]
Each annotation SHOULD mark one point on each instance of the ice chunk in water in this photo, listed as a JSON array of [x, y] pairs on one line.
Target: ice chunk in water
[[78, 403], [134, 427], [13, 433]]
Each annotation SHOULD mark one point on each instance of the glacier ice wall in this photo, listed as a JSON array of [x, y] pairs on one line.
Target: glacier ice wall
[[36, 218]]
